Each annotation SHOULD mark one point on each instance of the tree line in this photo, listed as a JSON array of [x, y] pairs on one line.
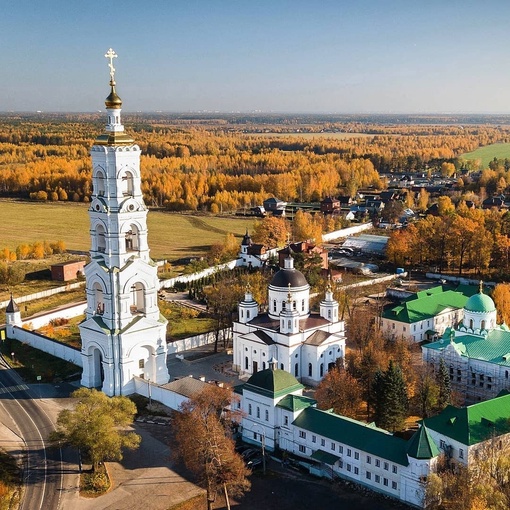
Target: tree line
[[222, 167]]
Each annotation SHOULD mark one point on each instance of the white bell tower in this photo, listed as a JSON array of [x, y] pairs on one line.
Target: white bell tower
[[123, 334]]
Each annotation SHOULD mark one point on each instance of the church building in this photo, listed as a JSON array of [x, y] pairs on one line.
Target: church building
[[303, 343], [123, 333], [476, 351]]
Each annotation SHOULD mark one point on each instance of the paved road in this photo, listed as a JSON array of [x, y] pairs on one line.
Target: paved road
[[21, 412]]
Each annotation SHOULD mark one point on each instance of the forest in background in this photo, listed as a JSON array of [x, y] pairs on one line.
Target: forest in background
[[225, 163]]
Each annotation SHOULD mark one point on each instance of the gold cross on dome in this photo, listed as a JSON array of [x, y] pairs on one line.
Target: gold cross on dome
[[110, 55]]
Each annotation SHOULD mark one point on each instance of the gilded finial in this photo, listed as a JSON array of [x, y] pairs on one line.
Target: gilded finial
[[289, 296], [481, 287]]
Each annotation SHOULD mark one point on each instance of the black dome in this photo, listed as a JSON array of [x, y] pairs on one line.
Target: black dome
[[284, 277]]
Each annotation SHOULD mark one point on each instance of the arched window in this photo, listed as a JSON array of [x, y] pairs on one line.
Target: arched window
[[296, 370], [309, 370], [471, 323], [127, 185], [100, 184], [290, 324], [137, 298], [132, 237], [101, 238], [98, 299], [483, 325], [329, 314], [246, 363], [283, 368], [321, 369], [274, 306], [247, 314]]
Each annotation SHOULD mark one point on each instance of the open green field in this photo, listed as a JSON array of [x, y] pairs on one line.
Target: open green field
[[171, 235], [488, 153]]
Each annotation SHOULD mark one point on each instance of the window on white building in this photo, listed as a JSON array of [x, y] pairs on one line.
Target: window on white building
[[369, 459], [267, 415], [314, 439], [323, 442], [394, 485], [249, 408], [302, 448], [285, 420], [394, 469], [368, 475], [377, 479], [461, 453], [349, 453], [356, 471], [333, 446], [377, 463], [258, 412], [386, 466], [356, 455], [302, 434]]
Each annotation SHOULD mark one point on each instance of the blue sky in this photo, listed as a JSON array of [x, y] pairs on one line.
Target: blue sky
[[344, 56]]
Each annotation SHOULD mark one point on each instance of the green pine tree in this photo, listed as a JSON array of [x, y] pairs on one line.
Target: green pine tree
[[445, 387], [391, 400]]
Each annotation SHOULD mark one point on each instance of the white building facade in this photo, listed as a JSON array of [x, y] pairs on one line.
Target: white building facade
[[304, 344], [123, 334], [476, 351], [277, 415]]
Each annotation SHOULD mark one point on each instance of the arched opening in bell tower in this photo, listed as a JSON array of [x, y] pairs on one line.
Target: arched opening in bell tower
[[101, 238], [100, 184], [97, 370], [98, 299], [137, 298], [127, 184], [132, 238]]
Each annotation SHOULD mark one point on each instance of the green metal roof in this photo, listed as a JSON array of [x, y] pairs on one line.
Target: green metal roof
[[353, 433], [421, 445], [480, 303], [473, 424], [295, 402], [426, 304], [495, 348], [322, 456], [272, 383]]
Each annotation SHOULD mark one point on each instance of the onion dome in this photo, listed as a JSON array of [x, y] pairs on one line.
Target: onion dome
[[288, 276], [113, 101], [480, 302]]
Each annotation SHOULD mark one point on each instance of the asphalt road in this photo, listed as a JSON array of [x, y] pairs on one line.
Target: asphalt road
[[43, 475]]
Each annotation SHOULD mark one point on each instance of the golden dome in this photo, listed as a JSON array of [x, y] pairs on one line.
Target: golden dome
[[113, 100]]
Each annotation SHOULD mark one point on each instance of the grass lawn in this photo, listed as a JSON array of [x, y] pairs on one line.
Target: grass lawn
[[30, 363], [488, 153], [171, 235], [184, 322]]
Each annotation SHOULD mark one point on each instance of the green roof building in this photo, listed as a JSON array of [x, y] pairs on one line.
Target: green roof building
[[426, 314], [476, 351]]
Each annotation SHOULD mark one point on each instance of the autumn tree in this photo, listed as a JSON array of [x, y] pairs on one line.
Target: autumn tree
[[202, 440], [427, 391], [339, 391], [305, 227], [271, 231], [501, 297], [97, 426], [222, 299], [392, 211]]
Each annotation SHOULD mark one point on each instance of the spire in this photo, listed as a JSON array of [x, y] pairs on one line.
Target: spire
[[289, 295], [114, 133], [12, 307], [480, 290], [113, 100]]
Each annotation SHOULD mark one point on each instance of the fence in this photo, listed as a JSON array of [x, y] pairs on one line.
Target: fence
[[163, 395], [44, 293], [196, 341], [346, 232], [68, 312], [45, 344], [186, 278]]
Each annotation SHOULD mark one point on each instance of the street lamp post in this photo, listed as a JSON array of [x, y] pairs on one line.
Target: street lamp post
[[263, 444]]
